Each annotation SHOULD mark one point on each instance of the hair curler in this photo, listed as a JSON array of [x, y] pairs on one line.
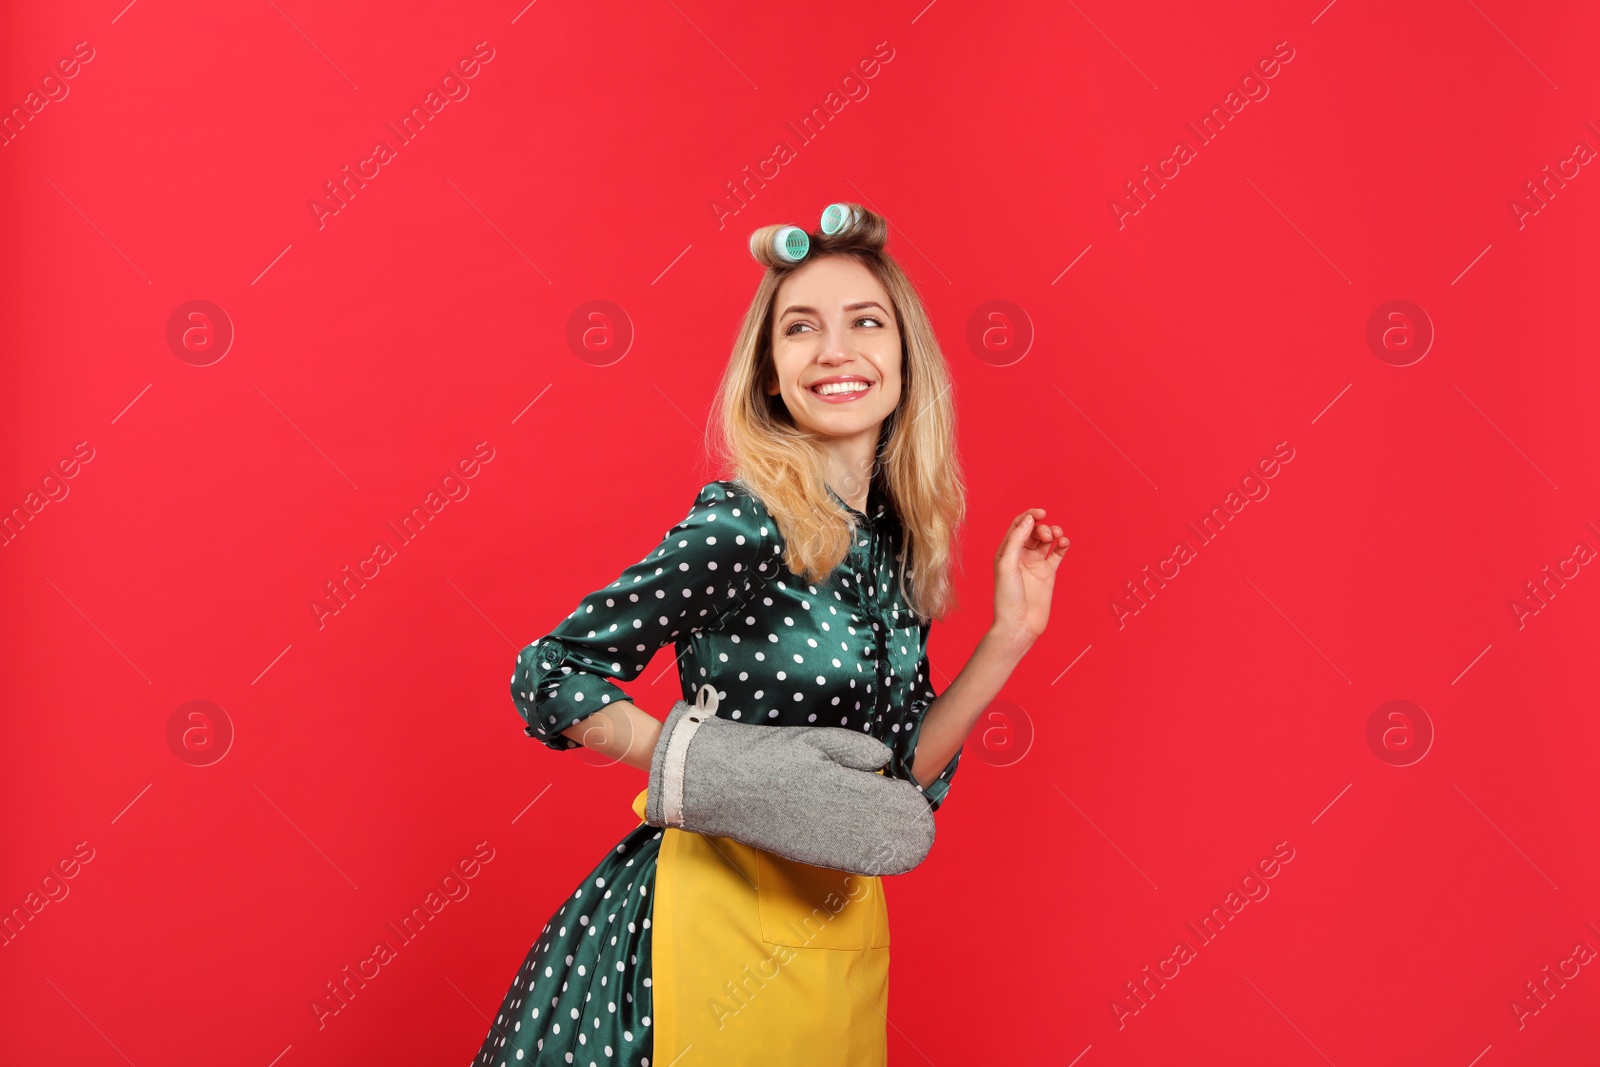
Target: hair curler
[[789, 243], [839, 217]]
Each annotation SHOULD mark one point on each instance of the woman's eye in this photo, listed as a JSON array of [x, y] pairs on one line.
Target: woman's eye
[[870, 319]]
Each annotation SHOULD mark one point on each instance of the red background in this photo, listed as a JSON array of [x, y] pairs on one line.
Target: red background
[[372, 753]]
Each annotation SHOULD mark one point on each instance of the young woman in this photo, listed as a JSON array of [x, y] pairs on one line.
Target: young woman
[[800, 593]]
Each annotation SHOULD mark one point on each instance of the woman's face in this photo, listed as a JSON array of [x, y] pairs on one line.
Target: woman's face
[[836, 348]]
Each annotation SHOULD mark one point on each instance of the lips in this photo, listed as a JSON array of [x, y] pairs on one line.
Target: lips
[[840, 389]]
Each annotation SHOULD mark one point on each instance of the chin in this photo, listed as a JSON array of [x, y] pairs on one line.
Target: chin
[[846, 424]]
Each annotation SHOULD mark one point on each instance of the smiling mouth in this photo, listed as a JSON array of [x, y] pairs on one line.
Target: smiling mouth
[[841, 392]]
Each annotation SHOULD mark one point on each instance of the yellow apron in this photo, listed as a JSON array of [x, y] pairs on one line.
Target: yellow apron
[[757, 959]]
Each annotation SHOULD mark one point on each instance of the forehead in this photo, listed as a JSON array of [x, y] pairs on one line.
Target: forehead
[[828, 282]]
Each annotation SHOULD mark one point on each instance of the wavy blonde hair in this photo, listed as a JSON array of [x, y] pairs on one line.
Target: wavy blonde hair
[[916, 461]]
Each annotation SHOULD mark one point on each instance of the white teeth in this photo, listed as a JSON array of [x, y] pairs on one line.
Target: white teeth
[[842, 387]]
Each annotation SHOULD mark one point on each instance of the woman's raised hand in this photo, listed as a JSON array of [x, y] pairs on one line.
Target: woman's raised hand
[[1025, 576]]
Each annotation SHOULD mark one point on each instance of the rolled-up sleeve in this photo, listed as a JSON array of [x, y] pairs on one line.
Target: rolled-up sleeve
[[692, 581]]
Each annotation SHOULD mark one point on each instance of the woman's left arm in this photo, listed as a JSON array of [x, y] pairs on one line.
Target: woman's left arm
[[1024, 579]]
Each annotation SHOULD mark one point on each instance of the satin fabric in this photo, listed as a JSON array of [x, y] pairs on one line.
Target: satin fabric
[[780, 650]]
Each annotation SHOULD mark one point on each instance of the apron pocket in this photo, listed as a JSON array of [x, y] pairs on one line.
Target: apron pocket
[[818, 907]]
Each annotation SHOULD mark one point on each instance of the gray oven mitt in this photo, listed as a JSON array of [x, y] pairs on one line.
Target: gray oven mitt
[[807, 793]]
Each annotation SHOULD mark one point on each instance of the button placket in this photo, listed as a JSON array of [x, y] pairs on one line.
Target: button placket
[[872, 609]]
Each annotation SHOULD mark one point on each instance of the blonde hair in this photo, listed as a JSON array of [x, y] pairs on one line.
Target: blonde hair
[[784, 466]]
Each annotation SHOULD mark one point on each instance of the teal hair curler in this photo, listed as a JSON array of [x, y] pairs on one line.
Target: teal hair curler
[[790, 244], [838, 217]]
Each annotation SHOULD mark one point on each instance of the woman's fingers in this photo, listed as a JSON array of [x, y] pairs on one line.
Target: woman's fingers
[[1049, 542], [1016, 537], [1028, 533], [1058, 549]]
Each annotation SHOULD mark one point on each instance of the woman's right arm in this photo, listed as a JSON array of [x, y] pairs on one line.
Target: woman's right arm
[[702, 571], [621, 732]]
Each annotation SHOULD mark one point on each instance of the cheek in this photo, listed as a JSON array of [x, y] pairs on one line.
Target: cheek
[[894, 362], [783, 377], [895, 382]]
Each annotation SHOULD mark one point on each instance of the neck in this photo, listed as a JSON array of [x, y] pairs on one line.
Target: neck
[[849, 467]]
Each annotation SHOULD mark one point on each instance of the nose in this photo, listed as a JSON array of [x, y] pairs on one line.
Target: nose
[[835, 349]]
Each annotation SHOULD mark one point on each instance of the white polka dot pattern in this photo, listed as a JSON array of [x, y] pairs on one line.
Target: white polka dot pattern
[[846, 652], [780, 651]]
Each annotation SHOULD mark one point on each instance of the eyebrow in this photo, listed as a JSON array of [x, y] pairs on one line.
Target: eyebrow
[[792, 308]]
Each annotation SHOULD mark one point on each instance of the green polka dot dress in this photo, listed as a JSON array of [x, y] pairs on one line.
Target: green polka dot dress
[[845, 652]]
